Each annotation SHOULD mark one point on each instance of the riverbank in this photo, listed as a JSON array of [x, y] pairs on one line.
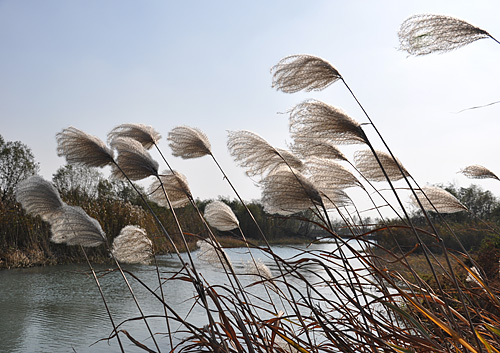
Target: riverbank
[[25, 258]]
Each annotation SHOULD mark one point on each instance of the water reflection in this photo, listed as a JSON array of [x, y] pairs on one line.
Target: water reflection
[[58, 309]]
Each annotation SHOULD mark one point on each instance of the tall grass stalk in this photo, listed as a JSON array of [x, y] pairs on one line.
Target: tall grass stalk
[[345, 299]]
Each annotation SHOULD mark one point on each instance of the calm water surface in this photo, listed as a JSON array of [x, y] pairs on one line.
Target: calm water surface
[[59, 309]]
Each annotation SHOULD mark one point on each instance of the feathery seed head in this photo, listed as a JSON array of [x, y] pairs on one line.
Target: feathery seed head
[[79, 147], [471, 279], [307, 147], [314, 119], [213, 255], [367, 165], [188, 142], [286, 192], [146, 135], [259, 269], [132, 246], [478, 172], [303, 72], [176, 186], [133, 159], [327, 174], [72, 226], [335, 198], [221, 216], [438, 198], [256, 155], [425, 34], [38, 197]]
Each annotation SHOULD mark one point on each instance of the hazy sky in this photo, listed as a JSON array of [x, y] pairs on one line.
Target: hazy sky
[[97, 64]]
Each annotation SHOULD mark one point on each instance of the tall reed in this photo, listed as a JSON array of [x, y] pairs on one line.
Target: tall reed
[[350, 299]]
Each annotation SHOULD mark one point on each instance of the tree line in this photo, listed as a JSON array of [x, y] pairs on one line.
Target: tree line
[[25, 240]]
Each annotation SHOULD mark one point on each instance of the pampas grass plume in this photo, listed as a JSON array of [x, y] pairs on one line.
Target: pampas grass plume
[[72, 226], [188, 142], [426, 34], [144, 134], [176, 186], [314, 119], [367, 165], [303, 72], [286, 192], [220, 216], [211, 255], [38, 197], [132, 246], [440, 200], [133, 159], [478, 172], [79, 147], [256, 155]]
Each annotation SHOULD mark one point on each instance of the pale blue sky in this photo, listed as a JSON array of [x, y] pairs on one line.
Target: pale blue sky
[[97, 64]]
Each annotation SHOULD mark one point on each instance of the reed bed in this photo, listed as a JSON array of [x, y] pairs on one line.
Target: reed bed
[[360, 297]]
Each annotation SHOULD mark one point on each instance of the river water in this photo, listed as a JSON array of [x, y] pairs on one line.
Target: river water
[[59, 309]]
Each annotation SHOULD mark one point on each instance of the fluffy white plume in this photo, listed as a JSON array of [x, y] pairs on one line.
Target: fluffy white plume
[[176, 186], [313, 119], [132, 246], [72, 226], [133, 159], [287, 192], [256, 155], [307, 147], [367, 165], [442, 200], [327, 174], [79, 147], [188, 142], [212, 255], [38, 197], [144, 134], [220, 216], [259, 269], [478, 172], [303, 72], [425, 34]]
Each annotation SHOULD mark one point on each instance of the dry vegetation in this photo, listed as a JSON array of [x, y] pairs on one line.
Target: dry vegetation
[[361, 297]]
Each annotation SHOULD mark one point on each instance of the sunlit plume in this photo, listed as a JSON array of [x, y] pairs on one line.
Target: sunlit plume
[[79, 147], [438, 200], [220, 216], [478, 172], [307, 147], [132, 246], [256, 155], [188, 142], [314, 119], [259, 269], [303, 72], [425, 34], [367, 165], [471, 279], [38, 197], [335, 198], [176, 186], [133, 159], [285, 192], [326, 173], [144, 134], [72, 226], [213, 255], [331, 179]]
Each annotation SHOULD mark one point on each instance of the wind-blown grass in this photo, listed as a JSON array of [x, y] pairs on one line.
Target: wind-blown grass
[[348, 299]]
